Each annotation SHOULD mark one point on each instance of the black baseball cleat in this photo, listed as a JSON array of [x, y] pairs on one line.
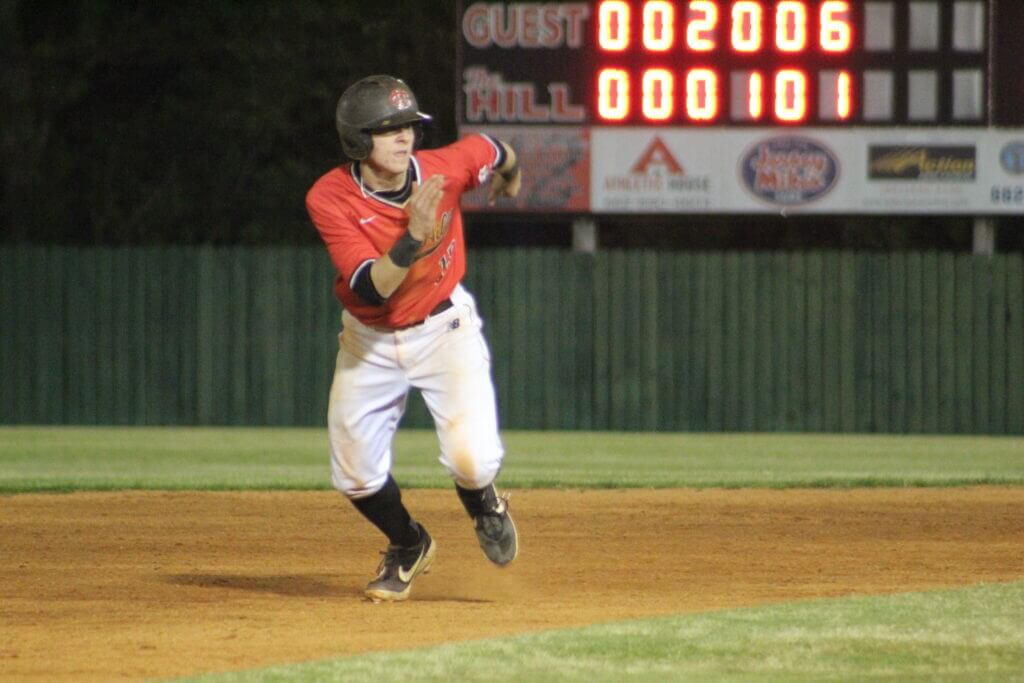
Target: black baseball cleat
[[497, 533], [399, 567]]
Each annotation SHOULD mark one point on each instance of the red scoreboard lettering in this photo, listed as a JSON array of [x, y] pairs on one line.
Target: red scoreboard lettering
[[658, 101], [755, 96], [791, 26], [659, 25], [836, 35], [733, 39], [790, 95], [844, 96], [701, 95], [613, 94], [746, 26], [613, 25], [702, 21]]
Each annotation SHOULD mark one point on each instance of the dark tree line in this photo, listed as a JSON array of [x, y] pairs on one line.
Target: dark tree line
[[195, 122], [206, 122]]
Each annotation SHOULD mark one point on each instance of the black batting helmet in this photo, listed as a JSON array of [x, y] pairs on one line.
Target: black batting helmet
[[373, 103]]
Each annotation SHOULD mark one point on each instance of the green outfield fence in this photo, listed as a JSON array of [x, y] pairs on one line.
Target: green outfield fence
[[623, 340]]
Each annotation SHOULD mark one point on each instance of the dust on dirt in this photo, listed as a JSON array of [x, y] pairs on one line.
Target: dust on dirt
[[135, 585]]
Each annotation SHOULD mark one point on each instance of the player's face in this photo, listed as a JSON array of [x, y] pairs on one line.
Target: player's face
[[392, 150]]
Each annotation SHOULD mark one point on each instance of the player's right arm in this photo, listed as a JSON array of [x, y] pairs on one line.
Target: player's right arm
[[508, 177], [388, 272]]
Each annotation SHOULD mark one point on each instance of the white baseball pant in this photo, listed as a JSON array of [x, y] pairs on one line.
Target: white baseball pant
[[447, 359]]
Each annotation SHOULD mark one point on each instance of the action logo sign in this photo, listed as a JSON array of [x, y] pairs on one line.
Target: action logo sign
[[657, 169], [789, 170], [932, 162], [638, 172]]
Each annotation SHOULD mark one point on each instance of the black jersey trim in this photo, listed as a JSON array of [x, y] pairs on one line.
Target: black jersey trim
[[352, 280], [396, 198], [362, 285], [499, 150]]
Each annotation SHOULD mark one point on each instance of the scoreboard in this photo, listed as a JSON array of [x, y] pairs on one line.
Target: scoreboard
[[698, 106], [729, 68]]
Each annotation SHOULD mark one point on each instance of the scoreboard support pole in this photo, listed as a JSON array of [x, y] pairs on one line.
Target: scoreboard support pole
[[984, 235], [584, 235]]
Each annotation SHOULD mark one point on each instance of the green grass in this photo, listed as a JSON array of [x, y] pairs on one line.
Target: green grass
[[973, 634], [111, 458]]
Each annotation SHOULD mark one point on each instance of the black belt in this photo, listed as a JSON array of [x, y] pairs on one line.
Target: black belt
[[437, 310]]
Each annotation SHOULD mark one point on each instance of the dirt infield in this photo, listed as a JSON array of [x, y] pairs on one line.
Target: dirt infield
[[126, 586]]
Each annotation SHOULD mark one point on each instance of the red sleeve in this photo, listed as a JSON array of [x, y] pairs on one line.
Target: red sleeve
[[476, 155], [338, 225]]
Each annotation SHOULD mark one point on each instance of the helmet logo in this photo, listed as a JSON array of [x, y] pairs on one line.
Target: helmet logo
[[400, 99]]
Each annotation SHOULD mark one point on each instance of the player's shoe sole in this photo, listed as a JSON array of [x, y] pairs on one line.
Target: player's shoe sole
[[497, 534]]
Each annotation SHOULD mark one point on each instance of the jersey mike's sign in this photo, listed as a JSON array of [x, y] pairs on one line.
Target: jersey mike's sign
[[789, 171]]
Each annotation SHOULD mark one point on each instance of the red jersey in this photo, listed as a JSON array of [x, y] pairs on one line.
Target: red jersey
[[358, 226]]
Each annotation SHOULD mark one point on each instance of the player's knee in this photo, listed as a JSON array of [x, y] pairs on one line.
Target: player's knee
[[354, 489], [475, 474], [358, 468]]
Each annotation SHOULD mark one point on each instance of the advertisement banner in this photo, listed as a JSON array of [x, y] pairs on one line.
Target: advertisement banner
[[613, 170], [806, 170], [556, 169]]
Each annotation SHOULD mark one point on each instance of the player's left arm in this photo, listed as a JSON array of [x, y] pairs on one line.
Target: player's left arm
[[508, 176]]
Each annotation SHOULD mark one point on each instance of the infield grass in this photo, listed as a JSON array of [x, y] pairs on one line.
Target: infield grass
[[973, 634], [203, 458]]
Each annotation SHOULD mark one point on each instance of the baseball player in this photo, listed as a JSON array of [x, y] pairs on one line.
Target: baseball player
[[391, 222]]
